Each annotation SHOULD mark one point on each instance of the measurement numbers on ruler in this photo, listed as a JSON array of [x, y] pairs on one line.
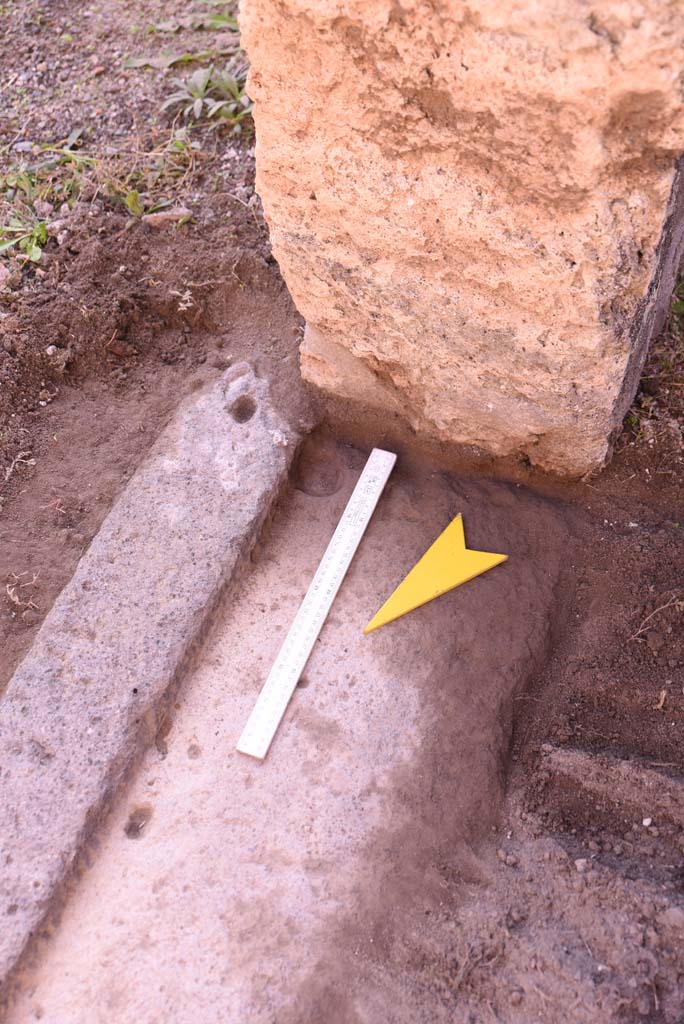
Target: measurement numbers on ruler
[[293, 655]]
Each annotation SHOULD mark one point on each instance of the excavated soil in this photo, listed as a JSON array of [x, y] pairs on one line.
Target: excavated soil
[[70, 458], [570, 905]]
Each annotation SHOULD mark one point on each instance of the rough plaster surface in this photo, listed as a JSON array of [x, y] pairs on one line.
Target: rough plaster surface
[[475, 206], [260, 892], [95, 685]]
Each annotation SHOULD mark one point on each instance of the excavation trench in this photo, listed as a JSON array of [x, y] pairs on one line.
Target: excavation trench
[[255, 891]]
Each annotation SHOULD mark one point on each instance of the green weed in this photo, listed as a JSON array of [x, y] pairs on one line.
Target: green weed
[[143, 180], [678, 301], [215, 94], [27, 233], [167, 59], [144, 183], [215, 21], [23, 188]]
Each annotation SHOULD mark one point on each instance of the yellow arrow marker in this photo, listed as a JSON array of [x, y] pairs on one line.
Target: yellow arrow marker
[[445, 565]]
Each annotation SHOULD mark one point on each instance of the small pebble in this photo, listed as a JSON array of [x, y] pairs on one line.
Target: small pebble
[[516, 997], [654, 639], [646, 822], [673, 917], [582, 864], [643, 1005]]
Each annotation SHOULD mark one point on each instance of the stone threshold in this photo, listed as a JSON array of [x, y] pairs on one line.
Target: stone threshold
[[96, 687]]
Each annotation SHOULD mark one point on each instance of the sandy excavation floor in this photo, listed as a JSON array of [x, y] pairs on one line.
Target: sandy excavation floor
[[223, 886], [457, 830]]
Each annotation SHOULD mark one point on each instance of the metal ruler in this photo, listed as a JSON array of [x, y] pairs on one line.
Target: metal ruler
[[293, 655]]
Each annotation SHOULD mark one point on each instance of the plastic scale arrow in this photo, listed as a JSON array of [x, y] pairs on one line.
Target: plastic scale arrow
[[446, 564]]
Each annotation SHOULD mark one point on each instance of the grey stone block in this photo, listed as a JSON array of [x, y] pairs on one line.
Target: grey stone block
[[94, 689]]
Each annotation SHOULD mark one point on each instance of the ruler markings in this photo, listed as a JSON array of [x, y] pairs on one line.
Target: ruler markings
[[275, 695]]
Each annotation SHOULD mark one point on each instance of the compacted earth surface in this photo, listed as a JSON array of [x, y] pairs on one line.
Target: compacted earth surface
[[534, 866]]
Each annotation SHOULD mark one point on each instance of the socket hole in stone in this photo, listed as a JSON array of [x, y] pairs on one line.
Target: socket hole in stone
[[137, 820], [243, 408]]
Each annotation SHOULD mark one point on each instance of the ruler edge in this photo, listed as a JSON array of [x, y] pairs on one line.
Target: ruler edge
[[387, 469]]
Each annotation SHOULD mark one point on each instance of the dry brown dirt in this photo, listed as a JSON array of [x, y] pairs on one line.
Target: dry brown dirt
[[574, 907]]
